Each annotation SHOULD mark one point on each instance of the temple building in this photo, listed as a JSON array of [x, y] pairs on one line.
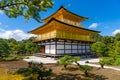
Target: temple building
[[62, 34]]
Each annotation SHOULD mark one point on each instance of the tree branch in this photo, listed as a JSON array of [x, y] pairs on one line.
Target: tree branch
[[8, 5]]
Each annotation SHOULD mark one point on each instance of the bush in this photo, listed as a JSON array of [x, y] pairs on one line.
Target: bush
[[109, 60], [102, 63], [117, 61], [35, 71], [10, 57], [65, 60], [86, 69], [20, 57]]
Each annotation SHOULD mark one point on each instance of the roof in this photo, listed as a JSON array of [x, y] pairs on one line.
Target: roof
[[51, 16], [53, 19]]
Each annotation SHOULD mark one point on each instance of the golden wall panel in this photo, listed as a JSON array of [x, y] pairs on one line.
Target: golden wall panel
[[73, 36], [48, 35]]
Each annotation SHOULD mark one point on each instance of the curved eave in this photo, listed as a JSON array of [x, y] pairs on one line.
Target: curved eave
[[53, 19], [74, 26], [48, 18], [34, 31]]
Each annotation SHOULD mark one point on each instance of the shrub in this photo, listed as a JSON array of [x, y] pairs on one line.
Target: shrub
[[11, 57], [35, 71], [108, 60], [86, 69], [117, 61], [102, 63], [65, 60], [76, 59]]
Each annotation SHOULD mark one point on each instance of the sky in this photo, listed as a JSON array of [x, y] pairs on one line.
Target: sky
[[103, 15]]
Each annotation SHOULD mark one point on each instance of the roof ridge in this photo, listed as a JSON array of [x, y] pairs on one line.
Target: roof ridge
[[66, 10]]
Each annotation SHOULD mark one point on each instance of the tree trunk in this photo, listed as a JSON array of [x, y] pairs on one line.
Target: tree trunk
[[102, 66], [65, 66], [86, 73]]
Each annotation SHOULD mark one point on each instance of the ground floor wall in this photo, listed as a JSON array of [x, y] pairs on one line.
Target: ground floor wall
[[65, 47]]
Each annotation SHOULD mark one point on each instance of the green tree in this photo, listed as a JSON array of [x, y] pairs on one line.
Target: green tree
[[31, 47], [107, 40], [117, 61], [65, 60], [100, 48], [86, 69], [102, 63], [96, 37], [114, 50], [21, 47], [12, 44], [4, 48], [75, 60], [26, 8], [35, 71], [117, 37]]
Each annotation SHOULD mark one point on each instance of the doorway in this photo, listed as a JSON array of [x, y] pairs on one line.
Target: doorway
[[42, 49]]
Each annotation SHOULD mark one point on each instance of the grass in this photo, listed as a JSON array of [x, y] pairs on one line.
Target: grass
[[9, 76]]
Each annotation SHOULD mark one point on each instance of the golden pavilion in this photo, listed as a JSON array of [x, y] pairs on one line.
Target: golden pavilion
[[62, 34]]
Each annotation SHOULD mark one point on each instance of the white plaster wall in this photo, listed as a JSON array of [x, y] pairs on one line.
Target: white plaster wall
[[87, 47], [47, 49], [60, 46], [67, 46], [83, 51], [79, 47], [52, 50], [83, 47], [60, 51], [68, 52], [74, 46], [79, 51], [88, 50], [74, 51]]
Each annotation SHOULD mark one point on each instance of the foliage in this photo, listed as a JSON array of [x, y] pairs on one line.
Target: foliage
[[117, 37], [96, 37], [31, 47], [21, 47], [13, 57], [107, 40], [4, 48], [86, 69], [76, 59], [100, 48], [107, 60], [12, 44], [10, 58], [65, 60], [102, 63], [26, 8], [14, 50], [117, 61], [114, 50], [36, 71]]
